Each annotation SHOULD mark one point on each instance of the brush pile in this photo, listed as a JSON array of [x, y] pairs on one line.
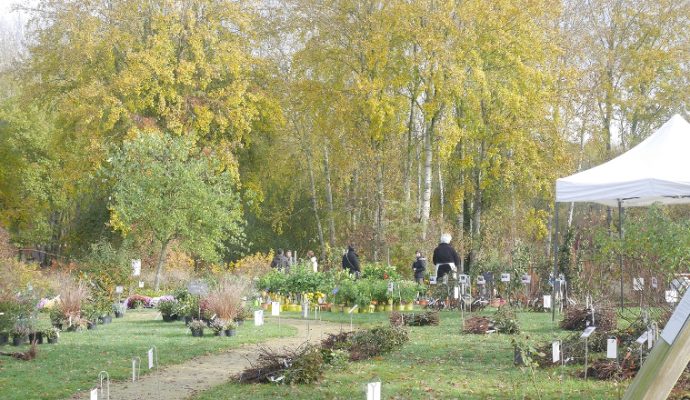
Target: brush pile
[[478, 325], [301, 365], [22, 355], [609, 369], [577, 318], [424, 319]]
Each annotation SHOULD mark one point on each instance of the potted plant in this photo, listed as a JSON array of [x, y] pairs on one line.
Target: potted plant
[[231, 329], [197, 327], [7, 318], [91, 314], [119, 309], [56, 317], [52, 334], [218, 326], [168, 309], [20, 334]]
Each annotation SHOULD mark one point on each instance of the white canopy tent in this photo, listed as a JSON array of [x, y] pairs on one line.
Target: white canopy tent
[[655, 171]]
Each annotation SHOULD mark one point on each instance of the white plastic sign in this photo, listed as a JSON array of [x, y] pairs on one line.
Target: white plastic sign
[[136, 267], [119, 289], [275, 308], [638, 284], [134, 370], [390, 287], [150, 354], [526, 279], [141, 284], [650, 339], [94, 394], [556, 351], [612, 348], [678, 318], [353, 309], [655, 283], [671, 296], [258, 317], [456, 292], [481, 280], [464, 279], [588, 332], [642, 338], [547, 301], [374, 391], [505, 277]]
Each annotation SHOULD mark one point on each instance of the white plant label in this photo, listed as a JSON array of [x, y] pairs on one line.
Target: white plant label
[[150, 354], [526, 279], [588, 332], [94, 394], [353, 309], [547, 301], [642, 338], [481, 280], [136, 267], [464, 279], [638, 284], [134, 370], [390, 287], [258, 317], [456, 292], [556, 351], [141, 284], [671, 296], [505, 277], [275, 308], [119, 289], [650, 338], [612, 348], [655, 283], [374, 391]]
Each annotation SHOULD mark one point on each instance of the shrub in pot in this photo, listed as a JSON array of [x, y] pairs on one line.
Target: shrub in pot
[[20, 334], [231, 329], [52, 334], [169, 309], [119, 310], [218, 326], [197, 327]]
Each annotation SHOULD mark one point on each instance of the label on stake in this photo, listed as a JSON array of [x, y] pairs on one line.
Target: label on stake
[[456, 292], [275, 308], [258, 317], [556, 350], [505, 277], [94, 394], [547, 301], [588, 332], [374, 391], [150, 354], [612, 348]]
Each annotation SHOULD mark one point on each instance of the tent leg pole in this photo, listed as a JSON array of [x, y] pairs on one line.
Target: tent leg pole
[[555, 261], [620, 253]]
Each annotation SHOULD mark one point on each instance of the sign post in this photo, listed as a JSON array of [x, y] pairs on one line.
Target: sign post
[[586, 334], [667, 360]]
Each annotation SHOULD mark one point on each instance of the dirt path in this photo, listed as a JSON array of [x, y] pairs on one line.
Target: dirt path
[[202, 373]]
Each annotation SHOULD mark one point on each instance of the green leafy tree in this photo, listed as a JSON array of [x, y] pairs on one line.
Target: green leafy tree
[[167, 190]]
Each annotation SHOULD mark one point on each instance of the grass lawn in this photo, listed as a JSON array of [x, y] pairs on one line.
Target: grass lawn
[[74, 363], [440, 363]]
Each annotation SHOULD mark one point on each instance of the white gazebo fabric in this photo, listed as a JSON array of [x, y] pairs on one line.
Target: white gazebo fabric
[[656, 170]]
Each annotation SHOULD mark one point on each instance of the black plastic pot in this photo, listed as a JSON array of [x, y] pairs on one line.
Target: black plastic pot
[[91, 325], [197, 332], [4, 338], [52, 340], [106, 319], [169, 318], [36, 336], [219, 333], [230, 332], [19, 340], [119, 314]]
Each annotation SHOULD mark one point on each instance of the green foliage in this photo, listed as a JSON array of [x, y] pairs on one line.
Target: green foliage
[[373, 342], [165, 188], [379, 271], [505, 321]]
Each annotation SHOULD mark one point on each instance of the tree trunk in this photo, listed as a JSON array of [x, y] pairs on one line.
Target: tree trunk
[[329, 197], [380, 200], [441, 190], [314, 205], [419, 181], [161, 261], [407, 173], [354, 204], [428, 177], [476, 209]]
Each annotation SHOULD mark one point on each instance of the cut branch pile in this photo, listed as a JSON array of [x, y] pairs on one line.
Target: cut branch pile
[[425, 319], [478, 325], [301, 365], [609, 370], [578, 318], [22, 355]]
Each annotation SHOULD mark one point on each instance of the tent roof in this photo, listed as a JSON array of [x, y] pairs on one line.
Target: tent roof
[[656, 170]]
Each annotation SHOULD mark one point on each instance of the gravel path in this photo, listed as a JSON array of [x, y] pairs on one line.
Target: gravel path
[[202, 373]]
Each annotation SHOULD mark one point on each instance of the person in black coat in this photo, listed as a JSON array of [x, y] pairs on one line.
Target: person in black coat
[[351, 261], [419, 266], [280, 262], [445, 257]]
